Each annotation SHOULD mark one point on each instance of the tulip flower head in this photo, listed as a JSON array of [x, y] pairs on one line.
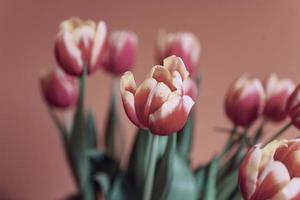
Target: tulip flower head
[[272, 172], [293, 107], [59, 89], [244, 101], [120, 54], [183, 44], [160, 103], [277, 94], [80, 42]]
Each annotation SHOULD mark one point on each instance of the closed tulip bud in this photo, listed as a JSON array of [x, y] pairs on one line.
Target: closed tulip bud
[[293, 107], [272, 172], [182, 44], [277, 94], [160, 103], [244, 101], [121, 52], [80, 42], [59, 89]]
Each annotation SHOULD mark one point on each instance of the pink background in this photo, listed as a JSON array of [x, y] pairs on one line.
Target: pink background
[[257, 37]]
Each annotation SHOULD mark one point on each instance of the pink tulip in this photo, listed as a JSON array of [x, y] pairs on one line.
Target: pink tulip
[[244, 101], [272, 172], [59, 89], [293, 107], [160, 103], [182, 44], [277, 94], [80, 42], [121, 52]]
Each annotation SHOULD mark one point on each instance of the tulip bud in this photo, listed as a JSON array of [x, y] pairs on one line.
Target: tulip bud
[[121, 52], [277, 94], [293, 107], [59, 89], [271, 172], [184, 44], [80, 42], [160, 103], [244, 101]]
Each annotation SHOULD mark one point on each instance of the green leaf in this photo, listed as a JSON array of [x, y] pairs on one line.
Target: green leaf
[[227, 186], [103, 181], [185, 137], [78, 146], [91, 131], [121, 190], [200, 175], [112, 127], [173, 179], [210, 187], [139, 161]]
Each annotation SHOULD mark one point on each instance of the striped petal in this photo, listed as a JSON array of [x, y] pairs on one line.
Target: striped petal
[[290, 191], [68, 54], [98, 45], [141, 99], [172, 115]]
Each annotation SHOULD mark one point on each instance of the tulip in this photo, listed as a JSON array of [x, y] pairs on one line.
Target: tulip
[[182, 44], [59, 89], [293, 107], [80, 42], [160, 103], [272, 172], [277, 94], [121, 52], [244, 101]]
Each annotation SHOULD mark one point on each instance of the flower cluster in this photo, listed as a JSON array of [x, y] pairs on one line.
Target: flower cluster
[[247, 99], [86, 44]]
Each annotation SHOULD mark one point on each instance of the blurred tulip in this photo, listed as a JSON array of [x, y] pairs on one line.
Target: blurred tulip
[[244, 101], [80, 42], [160, 102], [293, 107], [121, 52], [183, 44], [59, 89], [277, 94], [272, 172]]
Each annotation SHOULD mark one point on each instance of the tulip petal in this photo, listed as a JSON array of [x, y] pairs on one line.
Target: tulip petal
[[68, 54], [173, 63], [172, 115], [127, 83], [249, 171], [141, 98], [190, 88], [128, 102], [159, 95], [162, 74], [272, 179], [99, 41], [290, 191]]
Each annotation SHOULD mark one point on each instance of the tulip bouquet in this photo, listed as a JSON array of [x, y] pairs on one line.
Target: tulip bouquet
[[161, 107]]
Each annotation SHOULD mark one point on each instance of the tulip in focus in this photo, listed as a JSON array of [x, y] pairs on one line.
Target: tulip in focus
[[293, 107], [244, 101], [160, 103], [59, 89], [182, 44], [277, 94], [80, 42], [121, 52], [272, 172]]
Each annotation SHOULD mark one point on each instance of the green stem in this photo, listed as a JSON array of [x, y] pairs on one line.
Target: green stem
[[279, 132], [259, 132], [229, 143], [151, 169]]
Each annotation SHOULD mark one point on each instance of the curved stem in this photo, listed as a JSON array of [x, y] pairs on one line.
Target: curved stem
[[151, 169], [279, 132]]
